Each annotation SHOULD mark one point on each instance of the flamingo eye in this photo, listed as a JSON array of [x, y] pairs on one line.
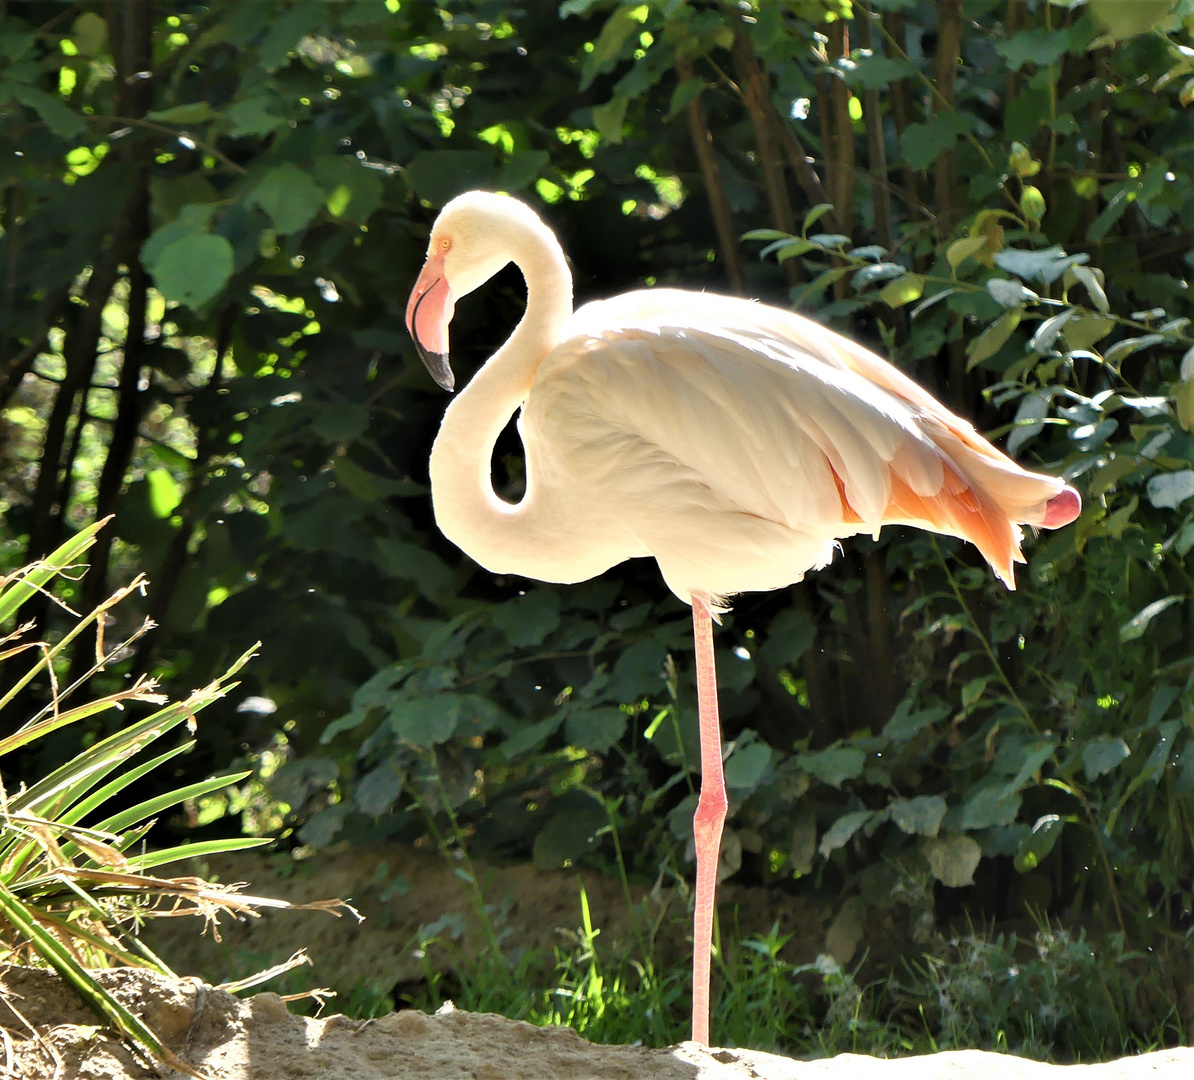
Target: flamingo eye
[[445, 244]]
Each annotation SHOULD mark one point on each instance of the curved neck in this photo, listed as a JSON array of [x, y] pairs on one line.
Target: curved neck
[[501, 536]]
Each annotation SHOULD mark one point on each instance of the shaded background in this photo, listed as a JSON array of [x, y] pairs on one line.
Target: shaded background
[[212, 216]]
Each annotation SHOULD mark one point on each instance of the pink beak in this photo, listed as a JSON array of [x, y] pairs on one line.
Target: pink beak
[[428, 313]]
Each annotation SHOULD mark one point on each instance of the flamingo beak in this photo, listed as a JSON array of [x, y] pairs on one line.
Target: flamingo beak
[[428, 313]]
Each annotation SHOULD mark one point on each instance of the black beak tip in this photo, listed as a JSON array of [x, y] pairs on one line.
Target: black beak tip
[[438, 368]]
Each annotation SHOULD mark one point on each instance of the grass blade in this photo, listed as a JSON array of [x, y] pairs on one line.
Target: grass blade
[[150, 807], [30, 581], [195, 851]]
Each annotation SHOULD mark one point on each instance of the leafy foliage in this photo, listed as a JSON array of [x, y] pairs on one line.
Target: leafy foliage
[[202, 332]]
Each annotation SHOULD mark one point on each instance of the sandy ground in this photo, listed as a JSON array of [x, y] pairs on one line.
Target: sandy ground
[[48, 1034]]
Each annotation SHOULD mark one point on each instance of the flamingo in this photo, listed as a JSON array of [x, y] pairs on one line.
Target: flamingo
[[733, 442]]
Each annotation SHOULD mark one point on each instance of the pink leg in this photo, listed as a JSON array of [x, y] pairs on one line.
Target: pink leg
[[708, 820]]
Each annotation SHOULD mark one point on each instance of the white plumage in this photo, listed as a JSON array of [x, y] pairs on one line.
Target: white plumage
[[734, 442]]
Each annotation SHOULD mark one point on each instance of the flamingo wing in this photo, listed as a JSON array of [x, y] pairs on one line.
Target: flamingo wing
[[741, 437]]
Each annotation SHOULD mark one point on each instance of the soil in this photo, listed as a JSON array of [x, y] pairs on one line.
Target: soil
[[47, 1034]]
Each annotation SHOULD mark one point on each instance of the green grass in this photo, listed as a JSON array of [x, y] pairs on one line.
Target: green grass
[[1052, 997]]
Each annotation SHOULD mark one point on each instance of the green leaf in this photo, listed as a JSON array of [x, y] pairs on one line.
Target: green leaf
[[527, 620], [529, 738], [1114, 354], [194, 112], [789, 636], [903, 290], [378, 790], [1049, 331], [286, 31], [1030, 415], [89, 32], [992, 805], [868, 275], [1033, 848], [747, 763], [1137, 625], [953, 859], [193, 270], [961, 250], [921, 815], [425, 722], [814, 215], [407, 561], [439, 175], [839, 833], [877, 72], [1094, 286], [1044, 266], [1085, 329], [1027, 758], [686, 91], [1101, 755], [1167, 491], [638, 671], [63, 122], [191, 220], [355, 191], [289, 196], [28, 927], [165, 493], [923, 143], [992, 339], [252, 116], [905, 723], [609, 119], [370, 486], [1040, 47], [597, 730], [615, 33], [834, 765], [520, 169]]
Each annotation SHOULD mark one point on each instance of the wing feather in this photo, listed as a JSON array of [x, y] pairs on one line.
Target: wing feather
[[700, 407]]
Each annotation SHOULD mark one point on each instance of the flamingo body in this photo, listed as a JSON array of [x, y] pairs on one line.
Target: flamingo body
[[734, 442]]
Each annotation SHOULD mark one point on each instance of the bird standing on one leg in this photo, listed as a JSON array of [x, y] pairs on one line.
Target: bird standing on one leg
[[734, 442]]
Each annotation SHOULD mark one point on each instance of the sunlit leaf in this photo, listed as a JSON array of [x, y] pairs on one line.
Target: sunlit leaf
[[1138, 624], [953, 859]]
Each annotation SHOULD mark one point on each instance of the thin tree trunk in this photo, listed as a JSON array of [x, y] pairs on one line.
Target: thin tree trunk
[[812, 666], [839, 144], [945, 69], [169, 572], [719, 203], [872, 113], [79, 351], [902, 114], [756, 96], [879, 624], [134, 45]]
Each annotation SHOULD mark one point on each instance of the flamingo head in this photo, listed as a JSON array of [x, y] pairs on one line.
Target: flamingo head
[[475, 236]]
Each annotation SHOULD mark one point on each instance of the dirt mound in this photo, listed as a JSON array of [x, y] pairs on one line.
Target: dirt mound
[[48, 1034]]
